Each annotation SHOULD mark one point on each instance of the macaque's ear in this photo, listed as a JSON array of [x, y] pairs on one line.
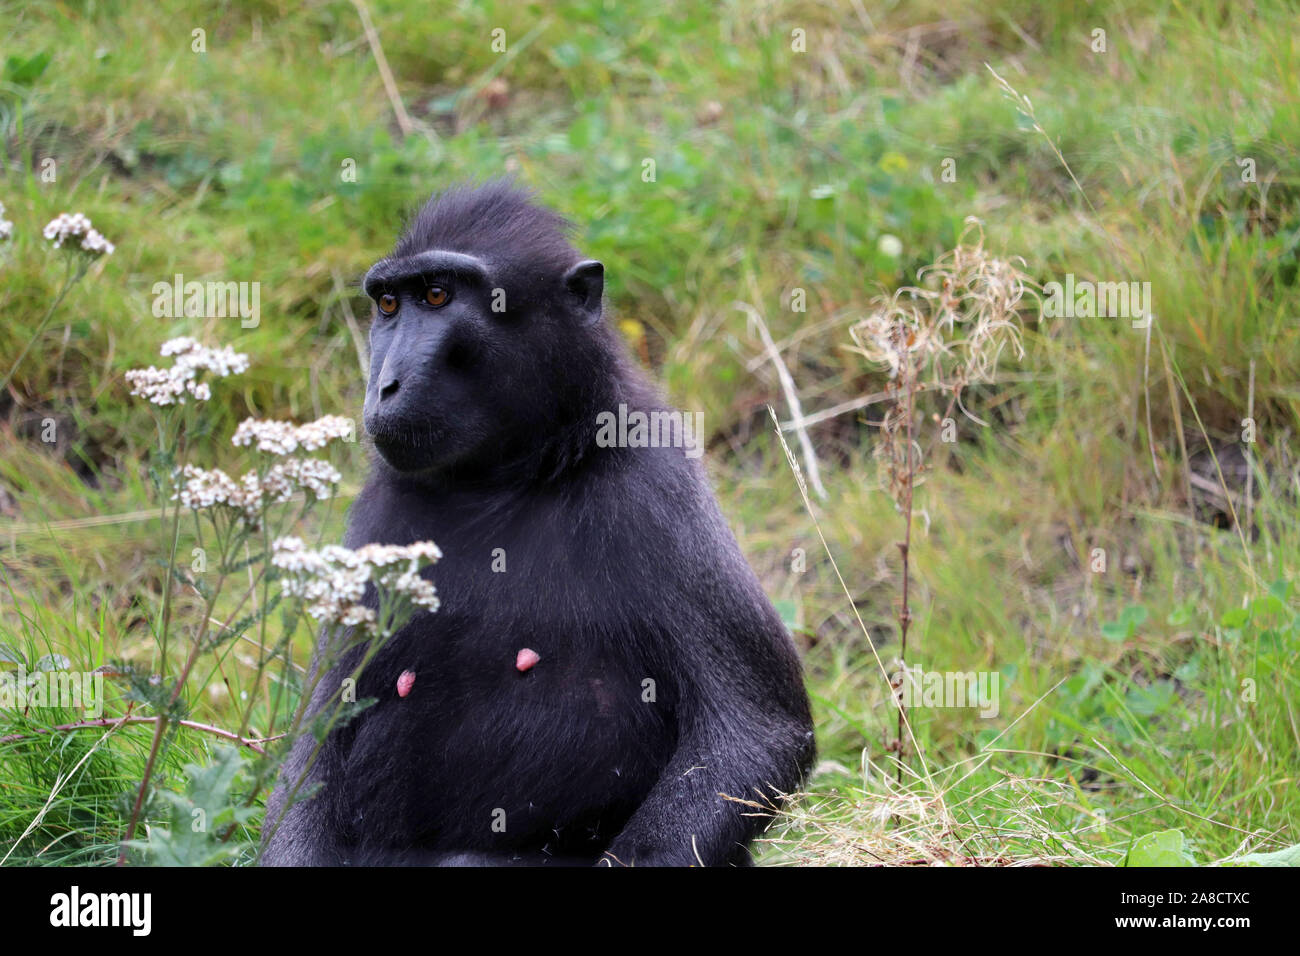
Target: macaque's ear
[[586, 283]]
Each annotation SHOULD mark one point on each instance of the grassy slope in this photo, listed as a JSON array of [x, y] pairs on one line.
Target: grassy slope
[[775, 170]]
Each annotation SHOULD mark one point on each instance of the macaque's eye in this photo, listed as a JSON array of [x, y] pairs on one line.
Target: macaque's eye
[[388, 304], [436, 296]]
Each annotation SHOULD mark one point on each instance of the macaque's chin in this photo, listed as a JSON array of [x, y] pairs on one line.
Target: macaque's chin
[[406, 448]]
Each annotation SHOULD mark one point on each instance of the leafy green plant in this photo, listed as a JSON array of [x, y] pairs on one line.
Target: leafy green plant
[[203, 817], [1123, 628], [1164, 848]]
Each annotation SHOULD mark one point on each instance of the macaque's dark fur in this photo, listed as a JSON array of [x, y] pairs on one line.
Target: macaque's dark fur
[[620, 569]]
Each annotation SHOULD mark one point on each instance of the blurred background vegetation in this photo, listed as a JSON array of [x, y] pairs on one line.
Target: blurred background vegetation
[[1127, 706]]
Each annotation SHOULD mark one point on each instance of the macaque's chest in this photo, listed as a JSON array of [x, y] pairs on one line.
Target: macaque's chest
[[503, 726]]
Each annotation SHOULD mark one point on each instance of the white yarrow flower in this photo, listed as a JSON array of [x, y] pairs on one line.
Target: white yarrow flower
[[284, 438], [171, 386], [69, 227], [332, 581], [251, 494], [272, 437]]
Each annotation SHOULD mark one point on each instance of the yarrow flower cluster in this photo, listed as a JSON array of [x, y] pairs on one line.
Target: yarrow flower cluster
[[170, 386], [205, 488], [310, 474], [208, 488], [6, 227], [332, 581], [71, 226], [284, 438]]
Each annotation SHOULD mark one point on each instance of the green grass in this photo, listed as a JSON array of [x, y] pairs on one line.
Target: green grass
[[775, 170]]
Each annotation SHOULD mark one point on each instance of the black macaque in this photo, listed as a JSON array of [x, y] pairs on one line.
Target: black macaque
[[658, 676]]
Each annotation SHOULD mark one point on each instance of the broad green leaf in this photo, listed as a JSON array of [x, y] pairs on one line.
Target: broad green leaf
[[789, 611], [1116, 631], [1135, 615], [1288, 857], [1163, 848], [1235, 618], [24, 72], [1268, 604]]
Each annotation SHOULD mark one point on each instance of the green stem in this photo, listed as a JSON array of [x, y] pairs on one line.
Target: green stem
[[69, 281], [161, 726]]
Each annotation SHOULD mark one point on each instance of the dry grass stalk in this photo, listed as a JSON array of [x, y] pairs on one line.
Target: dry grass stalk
[[944, 335]]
